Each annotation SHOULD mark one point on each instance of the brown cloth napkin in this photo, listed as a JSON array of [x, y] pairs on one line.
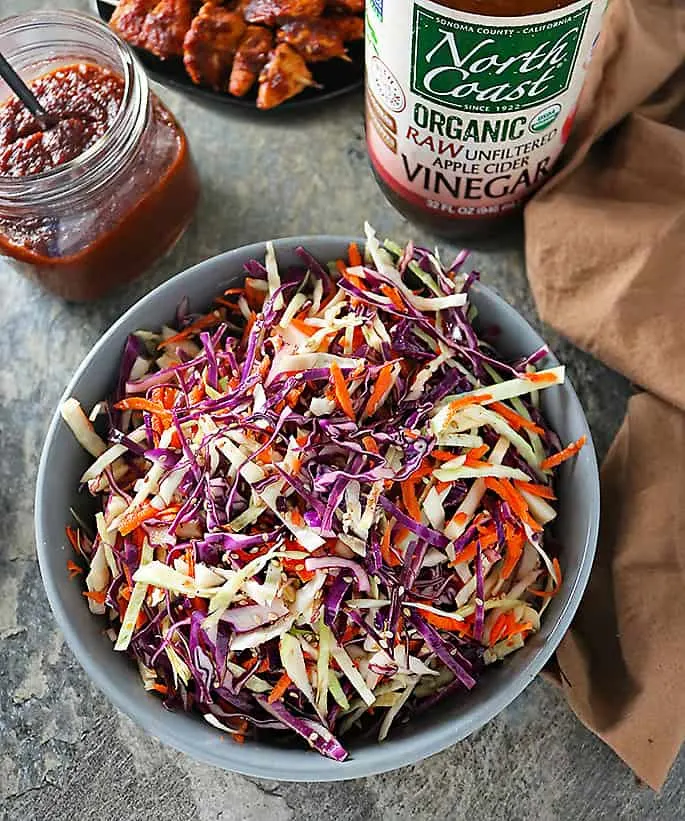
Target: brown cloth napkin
[[605, 251]]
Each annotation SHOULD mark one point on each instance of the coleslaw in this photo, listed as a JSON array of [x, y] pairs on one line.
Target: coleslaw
[[322, 505]]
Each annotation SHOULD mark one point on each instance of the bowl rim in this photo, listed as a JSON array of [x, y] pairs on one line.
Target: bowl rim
[[404, 751]]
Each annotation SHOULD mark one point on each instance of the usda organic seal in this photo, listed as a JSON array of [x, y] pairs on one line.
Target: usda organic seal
[[544, 118]]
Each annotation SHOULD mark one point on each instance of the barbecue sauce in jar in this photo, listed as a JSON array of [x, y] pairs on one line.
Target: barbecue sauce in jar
[[470, 102], [94, 199]]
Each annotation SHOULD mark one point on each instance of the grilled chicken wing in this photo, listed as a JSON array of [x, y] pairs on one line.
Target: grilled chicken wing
[[210, 45], [345, 6], [273, 12], [349, 28], [165, 27], [128, 18], [315, 40], [250, 59], [284, 76]]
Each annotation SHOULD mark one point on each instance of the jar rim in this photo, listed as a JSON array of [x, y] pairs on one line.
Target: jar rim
[[71, 24]]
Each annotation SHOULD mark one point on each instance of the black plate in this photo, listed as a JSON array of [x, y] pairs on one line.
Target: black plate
[[336, 77]]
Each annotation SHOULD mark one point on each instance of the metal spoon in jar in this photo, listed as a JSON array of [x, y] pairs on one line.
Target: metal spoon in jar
[[24, 93]]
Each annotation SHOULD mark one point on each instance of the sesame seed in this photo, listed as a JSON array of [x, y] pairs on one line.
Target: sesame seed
[[406, 611], [400, 590], [479, 602]]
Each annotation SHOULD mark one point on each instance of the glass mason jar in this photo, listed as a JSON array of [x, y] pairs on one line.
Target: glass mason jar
[[104, 216]]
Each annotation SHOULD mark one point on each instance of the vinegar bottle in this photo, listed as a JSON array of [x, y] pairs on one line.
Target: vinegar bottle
[[470, 102]]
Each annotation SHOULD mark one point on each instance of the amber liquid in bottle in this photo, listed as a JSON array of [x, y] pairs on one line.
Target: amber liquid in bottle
[[469, 104]]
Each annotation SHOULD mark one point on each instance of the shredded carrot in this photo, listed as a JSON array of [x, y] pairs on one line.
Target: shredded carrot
[[459, 519], [297, 517], [254, 296], [464, 401], [516, 420], [557, 571], [303, 327], [423, 470], [72, 535], [341, 267], [381, 387], [411, 504], [190, 561], [129, 577], [141, 619], [543, 491], [164, 396], [160, 688], [265, 457], [519, 627], [544, 594], [488, 538], [196, 394], [441, 487], [121, 604], [445, 622], [141, 404], [476, 463], [157, 429], [125, 592], [341, 392], [351, 632], [506, 491], [498, 629], [279, 688], [133, 518], [138, 538], [540, 378], [293, 396], [473, 457], [74, 569], [468, 554], [199, 325], [168, 513], [353, 255], [443, 455], [358, 282], [515, 542], [506, 626], [295, 566], [200, 604], [225, 303], [98, 596], [563, 455], [239, 738], [394, 297], [370, 444], [388, 554]]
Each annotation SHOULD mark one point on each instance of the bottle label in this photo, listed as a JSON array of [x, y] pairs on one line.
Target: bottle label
[[466, 114]]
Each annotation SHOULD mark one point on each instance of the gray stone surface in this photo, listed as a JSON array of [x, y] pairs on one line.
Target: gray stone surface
[[65, 752]]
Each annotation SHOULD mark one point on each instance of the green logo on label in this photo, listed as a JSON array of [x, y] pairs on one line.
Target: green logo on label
[[490, 68], [543, 119]]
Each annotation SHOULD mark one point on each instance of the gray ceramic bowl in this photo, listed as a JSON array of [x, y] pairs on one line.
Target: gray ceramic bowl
[[63, 461]]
